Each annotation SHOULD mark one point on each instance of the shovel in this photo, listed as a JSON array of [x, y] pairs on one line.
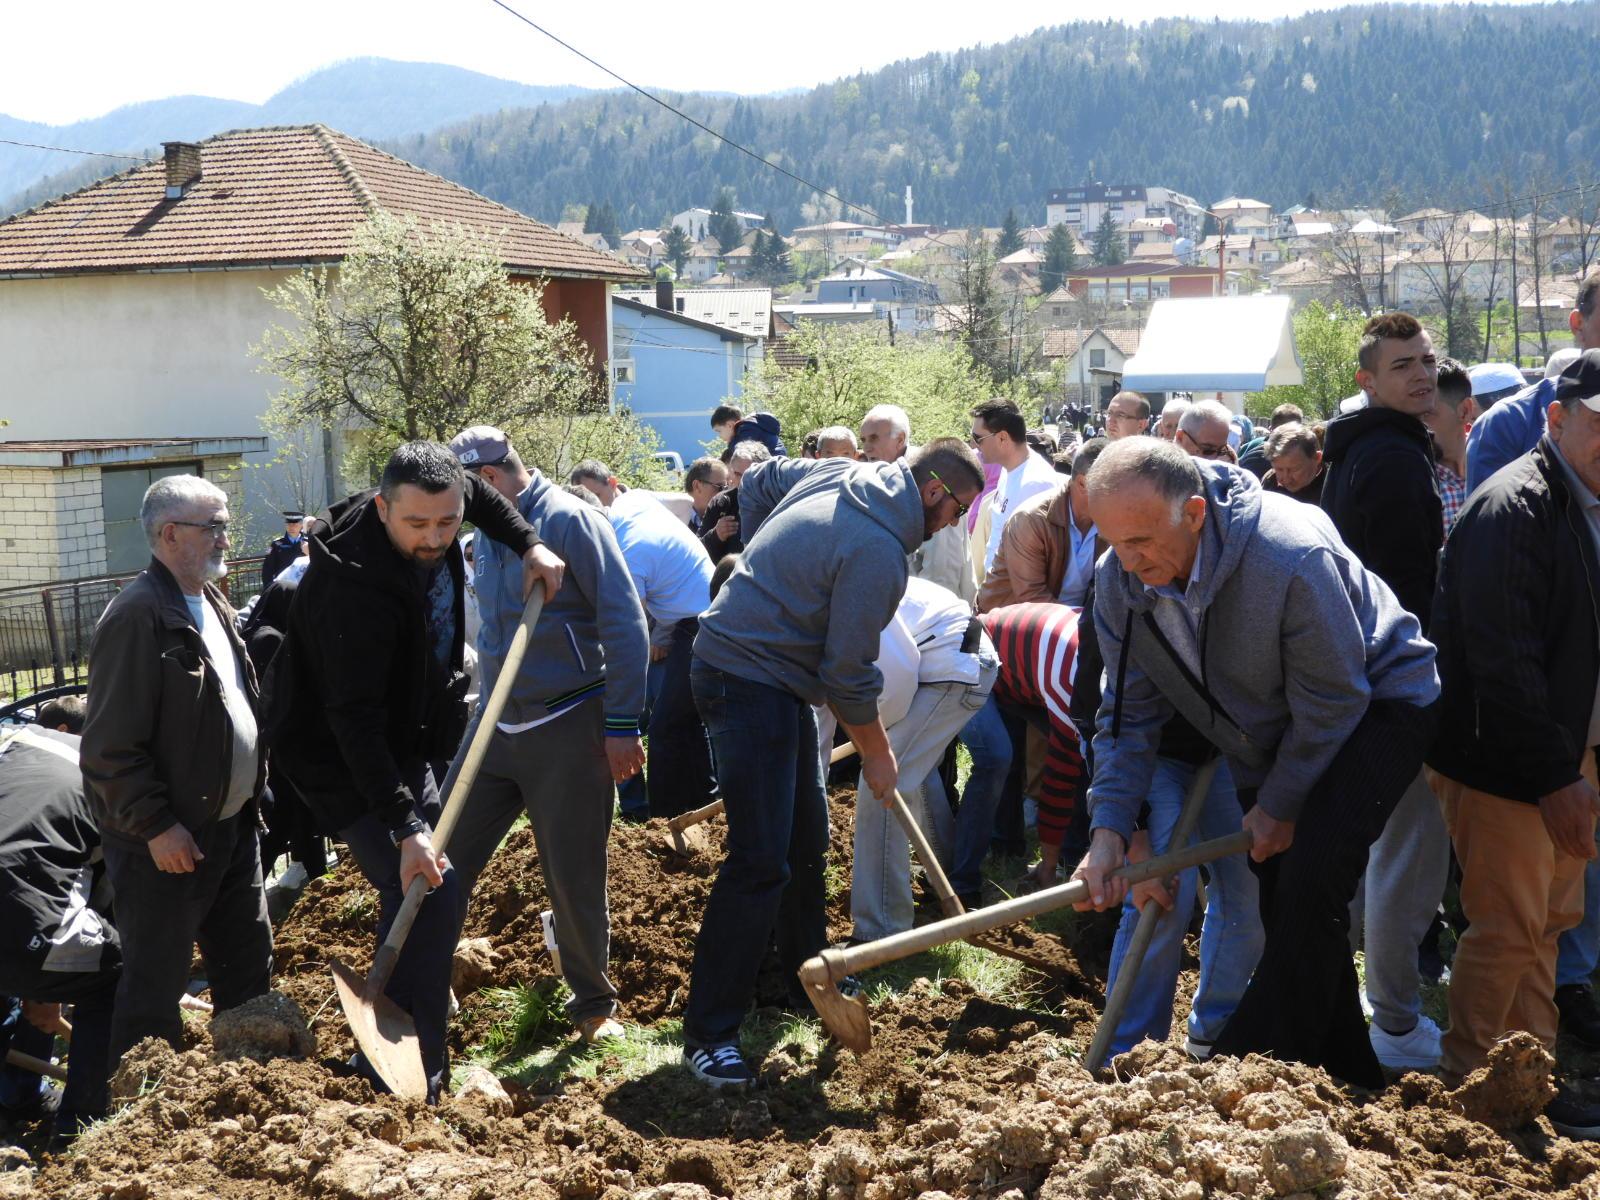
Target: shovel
[[849, 1019], [385, 1033]]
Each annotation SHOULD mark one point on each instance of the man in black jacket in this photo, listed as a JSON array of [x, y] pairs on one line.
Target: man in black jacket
[[371, 689], [173, 765], [57, 943], [1380, 491], [1519, 657], [719, 528]]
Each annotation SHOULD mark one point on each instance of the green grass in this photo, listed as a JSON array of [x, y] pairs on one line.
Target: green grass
[[358, 907], [1001, 979], [532, 1016]]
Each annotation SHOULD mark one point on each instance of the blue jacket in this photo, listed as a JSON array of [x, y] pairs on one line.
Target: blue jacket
[[591, 635], [1295, 639], [1507, 431], [761, 427]]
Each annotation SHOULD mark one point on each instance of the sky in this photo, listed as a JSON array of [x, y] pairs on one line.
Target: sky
[[56, 74]]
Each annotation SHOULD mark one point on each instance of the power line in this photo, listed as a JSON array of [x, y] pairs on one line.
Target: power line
[[69, 150], [678, 112]]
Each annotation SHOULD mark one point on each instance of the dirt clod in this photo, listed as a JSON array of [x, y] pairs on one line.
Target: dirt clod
[[267, 1027], [1512, 1089], [475, 964]]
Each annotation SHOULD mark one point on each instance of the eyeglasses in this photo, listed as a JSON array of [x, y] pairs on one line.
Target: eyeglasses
[[218, 529], [1113, 415], [1205, 449], [976, 440], [961, 509]]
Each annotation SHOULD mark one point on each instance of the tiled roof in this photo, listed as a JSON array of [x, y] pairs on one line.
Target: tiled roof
[[290, 194], [1064, 343]]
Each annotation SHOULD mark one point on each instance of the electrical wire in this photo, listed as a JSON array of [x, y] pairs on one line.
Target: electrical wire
[[698, 124], [69, 150]]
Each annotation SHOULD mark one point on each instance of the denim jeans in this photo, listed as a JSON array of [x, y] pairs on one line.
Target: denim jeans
[[1578, 951], [764, 741], [633, 795], [989, 743], [1230, 940], [679, 768], [880, 889], [91, 995]]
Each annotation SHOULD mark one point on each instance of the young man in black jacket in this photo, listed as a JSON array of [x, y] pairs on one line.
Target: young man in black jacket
[[1519, 656], [1380, 490], [370, 682]]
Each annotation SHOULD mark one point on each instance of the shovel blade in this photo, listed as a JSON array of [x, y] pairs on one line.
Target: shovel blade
[[386, 1035]]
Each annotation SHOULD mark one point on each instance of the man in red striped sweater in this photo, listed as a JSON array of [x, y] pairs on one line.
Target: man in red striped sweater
[[1038, 647]]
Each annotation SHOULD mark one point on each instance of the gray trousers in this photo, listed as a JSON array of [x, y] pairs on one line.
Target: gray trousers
[[559, 775], [1405, 880]]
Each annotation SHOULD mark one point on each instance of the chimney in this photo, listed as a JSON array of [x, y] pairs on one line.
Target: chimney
[[183, 167], [664, 294]]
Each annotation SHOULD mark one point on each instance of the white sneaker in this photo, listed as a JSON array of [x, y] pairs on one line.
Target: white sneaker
[[1198, 1050], [1414, 1051]]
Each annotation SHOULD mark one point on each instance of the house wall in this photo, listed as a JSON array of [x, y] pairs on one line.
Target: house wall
[[53, 525], [680, 374]]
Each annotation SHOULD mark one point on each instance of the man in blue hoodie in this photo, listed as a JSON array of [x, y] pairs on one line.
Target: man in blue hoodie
[[571, 726], [1323, 721], [798, 624]]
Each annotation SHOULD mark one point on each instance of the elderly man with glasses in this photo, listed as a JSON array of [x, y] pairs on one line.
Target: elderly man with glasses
[[1127, 415], [1203, 431], [172, 760]]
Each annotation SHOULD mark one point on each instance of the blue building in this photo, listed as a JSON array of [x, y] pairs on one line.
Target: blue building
[[672, 370]]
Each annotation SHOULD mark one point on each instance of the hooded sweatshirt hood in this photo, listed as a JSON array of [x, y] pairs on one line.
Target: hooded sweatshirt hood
[[1345, 430], [822, 573]]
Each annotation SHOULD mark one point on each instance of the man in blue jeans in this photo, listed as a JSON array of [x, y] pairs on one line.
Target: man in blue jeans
[[798, 624], [1230, 940]]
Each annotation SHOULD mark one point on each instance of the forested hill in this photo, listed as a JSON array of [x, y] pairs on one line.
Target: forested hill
[[1425, 105]]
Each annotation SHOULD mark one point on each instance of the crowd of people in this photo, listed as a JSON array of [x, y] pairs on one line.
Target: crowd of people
[[1374, 640]]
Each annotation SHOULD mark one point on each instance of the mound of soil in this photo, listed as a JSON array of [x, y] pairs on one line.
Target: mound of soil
[[959, 1096]]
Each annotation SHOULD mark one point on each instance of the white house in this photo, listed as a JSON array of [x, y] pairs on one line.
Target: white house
[[1092, 361], [1082, 208], [695, 222], [128, 311]]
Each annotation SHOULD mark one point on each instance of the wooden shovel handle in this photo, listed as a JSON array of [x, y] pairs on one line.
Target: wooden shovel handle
[[855, 959], [38, 1066], [389, 953], [949, 902]]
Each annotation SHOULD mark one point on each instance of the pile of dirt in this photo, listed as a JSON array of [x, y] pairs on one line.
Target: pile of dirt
[[959, 1096]]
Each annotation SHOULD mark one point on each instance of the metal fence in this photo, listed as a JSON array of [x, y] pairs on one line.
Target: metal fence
[[45, 629]]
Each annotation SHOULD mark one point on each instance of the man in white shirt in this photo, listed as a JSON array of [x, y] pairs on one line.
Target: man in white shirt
[[999, 434], [946, 557], [938, 666]]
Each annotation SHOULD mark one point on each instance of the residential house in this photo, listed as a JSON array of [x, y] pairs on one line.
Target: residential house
[[704, 261], [1137, 283], [1554, 296], [1470, 270], [1149, 229], [1570, 243], [742, 310], [574, 230], [906, 302], [738, 262], [128, 309], [1092, 361], [696, 222], [1025, 261], [1241, 250], [671, 370], [1252, 218], [1082, 208], [1161, 252]]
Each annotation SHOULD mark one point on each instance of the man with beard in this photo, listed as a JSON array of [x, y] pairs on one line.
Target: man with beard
[[173, 765], [797, 625]]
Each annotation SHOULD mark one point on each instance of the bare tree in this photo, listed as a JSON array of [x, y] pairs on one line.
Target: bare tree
[[1444, 265], [1584, 212], [1348, 258]]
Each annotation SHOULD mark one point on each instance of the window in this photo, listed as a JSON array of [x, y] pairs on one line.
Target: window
[[1097, 358], [121, 492], [622, 370], [1058, 310]]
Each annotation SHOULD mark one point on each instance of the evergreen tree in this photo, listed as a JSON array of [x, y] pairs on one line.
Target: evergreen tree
[[602, 219], [777, 269], [1060, 259], [1010, 235], [1109, 248], [723, 225], [675, 246], [758, 254]]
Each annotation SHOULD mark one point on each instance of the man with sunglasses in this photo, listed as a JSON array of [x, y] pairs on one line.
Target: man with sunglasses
[[798, 624], [1000, 436], [172, 760], [1203, 431]]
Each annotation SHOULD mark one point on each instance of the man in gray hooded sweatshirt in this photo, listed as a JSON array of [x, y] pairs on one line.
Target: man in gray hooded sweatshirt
[[798, 624], [1323, 721]]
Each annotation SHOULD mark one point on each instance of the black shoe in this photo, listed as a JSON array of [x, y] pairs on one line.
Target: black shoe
[[1579, 1017], [1571, 1117]]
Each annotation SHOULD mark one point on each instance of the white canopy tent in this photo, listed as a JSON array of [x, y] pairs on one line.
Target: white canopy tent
[[1223, 344]]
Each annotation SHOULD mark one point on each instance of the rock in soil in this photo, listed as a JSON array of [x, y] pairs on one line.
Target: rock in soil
[[1512, 1089]]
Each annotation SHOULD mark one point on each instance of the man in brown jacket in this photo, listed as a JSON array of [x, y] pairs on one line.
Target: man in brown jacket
[[1048, 550], [172, 758]]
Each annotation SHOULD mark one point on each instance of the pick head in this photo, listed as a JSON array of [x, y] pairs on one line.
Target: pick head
[[848, 1020]]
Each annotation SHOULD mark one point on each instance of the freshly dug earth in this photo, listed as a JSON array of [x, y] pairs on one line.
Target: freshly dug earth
[[960, 1096]]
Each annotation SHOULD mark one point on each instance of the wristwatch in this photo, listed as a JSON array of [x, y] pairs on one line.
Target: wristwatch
[[410, 829]]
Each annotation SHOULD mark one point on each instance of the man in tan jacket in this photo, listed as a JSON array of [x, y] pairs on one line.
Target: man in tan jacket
[[1048, 550]]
